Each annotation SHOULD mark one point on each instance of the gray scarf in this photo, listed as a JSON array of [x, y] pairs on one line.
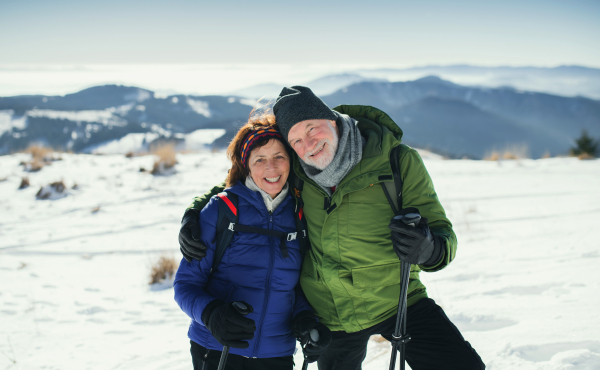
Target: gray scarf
[[349, 153], [271, 203]]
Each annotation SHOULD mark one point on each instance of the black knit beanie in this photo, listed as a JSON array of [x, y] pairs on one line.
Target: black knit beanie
[[296, 104]]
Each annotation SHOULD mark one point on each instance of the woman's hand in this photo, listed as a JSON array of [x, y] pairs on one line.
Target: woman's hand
[[226, 322]]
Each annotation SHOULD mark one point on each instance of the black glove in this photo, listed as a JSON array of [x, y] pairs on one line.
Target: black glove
[[190, 244], [415, 244], [302, 325], [227, 323]]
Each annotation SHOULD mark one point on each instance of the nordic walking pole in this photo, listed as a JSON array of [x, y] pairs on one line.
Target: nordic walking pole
[[314, 338], [243, 310], [400, 337]]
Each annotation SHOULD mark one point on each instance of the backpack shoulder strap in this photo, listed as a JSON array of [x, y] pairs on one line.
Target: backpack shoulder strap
[[227, 218], [393, 187], [297, 185]]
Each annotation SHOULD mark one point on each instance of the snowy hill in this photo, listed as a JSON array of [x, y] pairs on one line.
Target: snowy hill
[[74, 293]]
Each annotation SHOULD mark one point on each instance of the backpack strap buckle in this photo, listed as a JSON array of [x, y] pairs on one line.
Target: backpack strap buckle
[[291, 236], [231, 226]]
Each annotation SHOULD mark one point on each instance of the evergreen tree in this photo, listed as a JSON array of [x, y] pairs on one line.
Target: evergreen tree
[[585, 145]]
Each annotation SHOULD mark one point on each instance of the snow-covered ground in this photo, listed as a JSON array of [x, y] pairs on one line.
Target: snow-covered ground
[[74, 290]]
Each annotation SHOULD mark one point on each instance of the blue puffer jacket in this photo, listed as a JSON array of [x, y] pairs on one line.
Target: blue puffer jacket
[[251, 270]]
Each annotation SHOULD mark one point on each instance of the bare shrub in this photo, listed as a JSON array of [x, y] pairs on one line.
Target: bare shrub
[[163, 269], [24, 183], [167, 159], [129, 155], [546, 155], [52, 191]]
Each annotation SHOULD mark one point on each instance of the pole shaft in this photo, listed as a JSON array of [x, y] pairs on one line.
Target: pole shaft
[[223, 359], [400, 330]]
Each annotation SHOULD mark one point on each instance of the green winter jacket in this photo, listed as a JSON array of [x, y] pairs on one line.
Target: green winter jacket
[[351, 275]]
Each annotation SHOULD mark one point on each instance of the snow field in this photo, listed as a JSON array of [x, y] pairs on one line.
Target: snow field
[[73, 271]]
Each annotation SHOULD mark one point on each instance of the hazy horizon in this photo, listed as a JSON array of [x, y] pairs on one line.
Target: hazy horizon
[[199, 79]]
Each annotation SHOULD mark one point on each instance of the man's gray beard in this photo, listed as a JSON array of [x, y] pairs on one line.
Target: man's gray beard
[[325, 161]]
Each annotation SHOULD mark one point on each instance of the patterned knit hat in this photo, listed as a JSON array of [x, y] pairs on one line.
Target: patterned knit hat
[[296, 104]]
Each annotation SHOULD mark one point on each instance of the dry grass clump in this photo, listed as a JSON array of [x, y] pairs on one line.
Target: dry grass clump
[[163, 269], [493, 156], [378, 338], [167, 159], [511, 152], [40, 157], [585, 156], [54, 189], [40, 152], [24, 183]]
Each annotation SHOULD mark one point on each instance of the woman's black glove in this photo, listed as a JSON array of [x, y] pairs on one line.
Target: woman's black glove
[[190, 243], [313, 345], [226, 322], [414, 243]]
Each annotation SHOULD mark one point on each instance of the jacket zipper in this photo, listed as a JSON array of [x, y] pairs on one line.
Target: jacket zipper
[[267, 290]]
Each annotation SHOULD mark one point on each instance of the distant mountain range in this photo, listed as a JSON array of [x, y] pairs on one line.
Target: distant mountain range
[[448, 118], [100, 114], [459, 120], [563, 80]]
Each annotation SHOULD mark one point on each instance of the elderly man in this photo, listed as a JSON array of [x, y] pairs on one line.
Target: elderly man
[[351, 274]]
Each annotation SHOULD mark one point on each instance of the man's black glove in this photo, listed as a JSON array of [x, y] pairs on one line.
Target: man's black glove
[[190, 243], [415, 244], [226, 322], [314, 346]]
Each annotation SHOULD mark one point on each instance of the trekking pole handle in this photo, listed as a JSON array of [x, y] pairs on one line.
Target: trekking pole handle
[[314, 336], [242, 308], [314, 339], [410, 219]]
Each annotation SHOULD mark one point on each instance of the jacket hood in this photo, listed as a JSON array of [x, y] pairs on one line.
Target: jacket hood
[[366, 112]]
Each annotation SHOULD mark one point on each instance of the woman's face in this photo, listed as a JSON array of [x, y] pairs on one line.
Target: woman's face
[[269, 167]]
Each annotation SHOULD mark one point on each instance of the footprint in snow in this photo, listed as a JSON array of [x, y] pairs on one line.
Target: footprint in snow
[[582, 354], [480, 322], [522, 290], [91, 311]]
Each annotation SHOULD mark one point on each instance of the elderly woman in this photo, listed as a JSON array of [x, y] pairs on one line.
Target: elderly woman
[[258, 272]]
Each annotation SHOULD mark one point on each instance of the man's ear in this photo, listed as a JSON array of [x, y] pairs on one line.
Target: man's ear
[[333, 124]]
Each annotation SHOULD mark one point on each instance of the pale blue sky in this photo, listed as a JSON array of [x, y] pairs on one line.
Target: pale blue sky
[[380, 33]]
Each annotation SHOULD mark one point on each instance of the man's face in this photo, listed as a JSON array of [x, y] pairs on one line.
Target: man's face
[[315, 141]]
